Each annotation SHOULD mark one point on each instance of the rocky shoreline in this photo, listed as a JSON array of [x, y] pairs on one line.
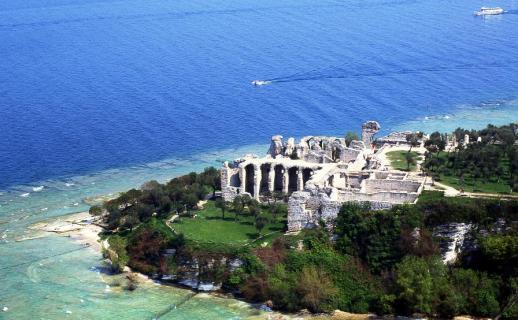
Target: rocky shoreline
[[82, 227]]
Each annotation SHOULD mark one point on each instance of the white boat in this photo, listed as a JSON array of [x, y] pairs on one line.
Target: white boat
[[260, 82], [487, 11]]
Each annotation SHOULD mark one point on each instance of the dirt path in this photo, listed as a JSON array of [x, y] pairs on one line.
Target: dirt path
[[452, 192]]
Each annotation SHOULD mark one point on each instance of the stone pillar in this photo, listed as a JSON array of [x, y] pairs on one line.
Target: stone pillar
[[369, 129], [271, 178], [285, 180], [300, 179], [257, 181], [242, 178]]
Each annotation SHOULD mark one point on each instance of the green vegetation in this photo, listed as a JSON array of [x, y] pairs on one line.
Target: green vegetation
[[377, 262], [208, 226], [381, 261], [403, 160], [350, 137], [490, 165]]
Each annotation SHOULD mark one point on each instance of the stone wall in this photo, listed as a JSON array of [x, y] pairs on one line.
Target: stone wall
[[393, 197], [321, 173], [378, 185], [307, 210], [229, 190]]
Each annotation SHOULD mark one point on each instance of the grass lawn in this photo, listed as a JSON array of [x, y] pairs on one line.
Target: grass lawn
[[209, 228], [398, 160], [475, 185]]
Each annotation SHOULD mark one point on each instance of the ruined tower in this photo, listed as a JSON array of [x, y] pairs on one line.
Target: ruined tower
[[369, 129]]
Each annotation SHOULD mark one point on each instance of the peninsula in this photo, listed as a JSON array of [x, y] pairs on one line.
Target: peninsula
[[408, 224]]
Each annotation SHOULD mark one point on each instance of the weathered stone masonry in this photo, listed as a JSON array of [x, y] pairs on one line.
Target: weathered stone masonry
[[319, 174]]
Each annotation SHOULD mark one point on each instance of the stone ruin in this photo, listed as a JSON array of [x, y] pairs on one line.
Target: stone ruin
[[369, 129], [319, 174]]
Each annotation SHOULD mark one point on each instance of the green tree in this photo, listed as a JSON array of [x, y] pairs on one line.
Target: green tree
[[130, 221], [350, 136], [95, 210], [477, 291], [413, 140], [278, 196], [223, 205], [415, 280], [315, 289], [237, 206], [260, 223], [210, 177], [254, 210], [410, 160], [278, 209], [191, 201]]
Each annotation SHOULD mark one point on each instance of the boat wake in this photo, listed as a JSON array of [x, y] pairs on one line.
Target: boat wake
[[345, 73]]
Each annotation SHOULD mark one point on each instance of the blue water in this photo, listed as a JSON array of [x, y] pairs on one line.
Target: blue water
[[98, 96], [93, 85]]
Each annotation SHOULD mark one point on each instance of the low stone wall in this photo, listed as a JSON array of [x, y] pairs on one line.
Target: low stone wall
[[382, 196], [377, 185]]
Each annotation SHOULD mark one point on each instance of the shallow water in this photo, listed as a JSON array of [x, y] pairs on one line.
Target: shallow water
[[98, 96], [72, 286]]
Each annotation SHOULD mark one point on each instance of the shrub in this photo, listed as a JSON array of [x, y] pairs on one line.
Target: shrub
[[315, 289]]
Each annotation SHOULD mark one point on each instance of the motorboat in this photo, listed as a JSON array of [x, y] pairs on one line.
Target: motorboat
[[488, 11], [260, 82]]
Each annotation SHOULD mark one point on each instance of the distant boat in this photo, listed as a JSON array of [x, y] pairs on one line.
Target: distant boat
[[488, 11], [260, 82]]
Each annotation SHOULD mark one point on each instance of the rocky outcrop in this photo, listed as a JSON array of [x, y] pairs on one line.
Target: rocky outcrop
[[369, 129], [452, 239], [276, 146]]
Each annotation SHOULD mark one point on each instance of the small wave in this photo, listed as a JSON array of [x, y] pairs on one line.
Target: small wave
[[69, 184], [25, 195], [38, 189], [44, 209]]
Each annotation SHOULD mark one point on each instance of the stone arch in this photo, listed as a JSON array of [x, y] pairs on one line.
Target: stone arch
[[265, 170], [279, 177], [292, 179], [235, 181], [330, 180], [306, 175], [250, 179]]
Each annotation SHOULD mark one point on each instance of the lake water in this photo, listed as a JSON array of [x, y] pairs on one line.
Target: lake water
[[98, 96]]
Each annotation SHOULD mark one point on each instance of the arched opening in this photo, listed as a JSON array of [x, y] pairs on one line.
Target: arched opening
[[292, 179], [330, 180], [279, 173], [306, 175], [265, 170], [235, 181], [250, 175]]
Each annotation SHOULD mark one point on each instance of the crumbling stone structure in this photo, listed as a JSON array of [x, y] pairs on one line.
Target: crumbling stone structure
[[319, 174]]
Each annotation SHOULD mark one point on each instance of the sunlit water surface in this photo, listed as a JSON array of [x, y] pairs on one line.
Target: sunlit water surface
[[100, 96]]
